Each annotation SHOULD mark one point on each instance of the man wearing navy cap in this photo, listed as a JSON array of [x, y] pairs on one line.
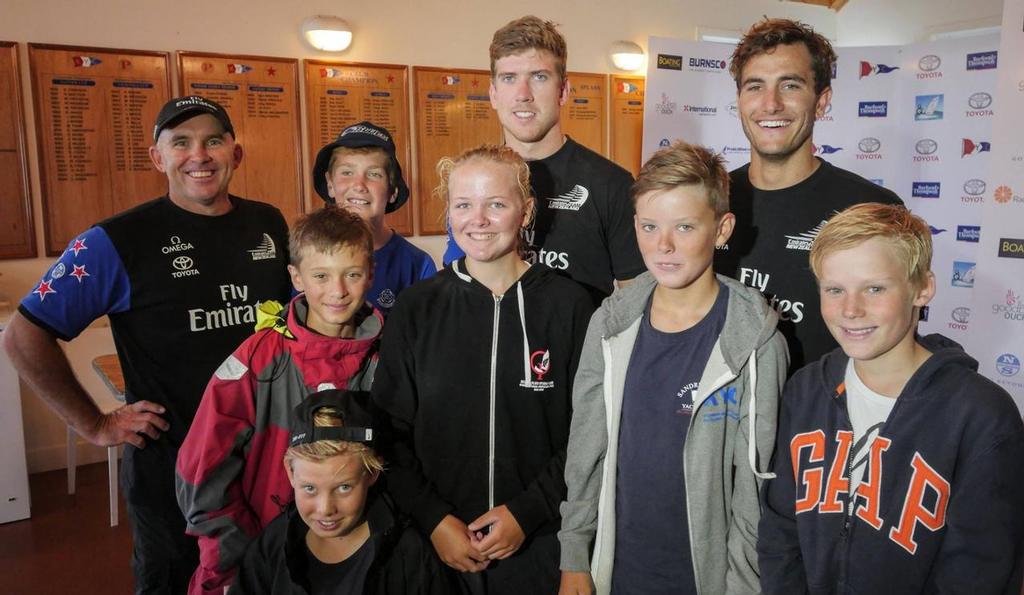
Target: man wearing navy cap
[[180, 278], [360, 172]]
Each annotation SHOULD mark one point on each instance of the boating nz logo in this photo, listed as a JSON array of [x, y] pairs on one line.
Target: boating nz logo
[[1011, 308], [961, 316], [869, 69], [1008, 364], [540, 365], [873, 109], [973, 147], [1011, 248], [983, 60], [979, 104], [706, 64], [928, 107], [929, 67], [968, 233], [926, 189], [963, 274], [869, 147], [670, 62], [974, 190]]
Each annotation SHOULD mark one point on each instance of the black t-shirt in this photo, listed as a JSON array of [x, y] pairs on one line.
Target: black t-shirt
[[652, 536], [770, 247], [342, 578], [584, 220]]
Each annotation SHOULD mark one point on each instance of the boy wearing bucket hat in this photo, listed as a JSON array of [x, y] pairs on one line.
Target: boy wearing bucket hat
[[360, 172], [341, 535]]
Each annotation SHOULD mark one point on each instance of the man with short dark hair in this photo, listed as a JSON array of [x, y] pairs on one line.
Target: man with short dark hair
[[180, 277], [782, 198], [584, 218]]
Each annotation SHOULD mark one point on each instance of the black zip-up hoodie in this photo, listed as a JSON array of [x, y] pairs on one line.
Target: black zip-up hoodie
[[948, 516], [403, 563], [478, 392]]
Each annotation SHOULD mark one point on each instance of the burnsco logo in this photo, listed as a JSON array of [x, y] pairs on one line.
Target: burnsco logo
[[873, 109], [1011, 248], [983, 60], [926, 189], [968, 233], [707, 64], [670, 62]]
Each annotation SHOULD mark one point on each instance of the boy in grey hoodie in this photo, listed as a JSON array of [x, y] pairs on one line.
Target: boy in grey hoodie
[[674, 405]]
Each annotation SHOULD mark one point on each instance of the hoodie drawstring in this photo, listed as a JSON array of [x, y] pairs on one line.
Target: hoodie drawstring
[[752, 420], [526, 341]]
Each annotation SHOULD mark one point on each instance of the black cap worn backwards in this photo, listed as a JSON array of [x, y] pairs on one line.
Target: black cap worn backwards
[[363, 134], [175, 111], [352, 406]]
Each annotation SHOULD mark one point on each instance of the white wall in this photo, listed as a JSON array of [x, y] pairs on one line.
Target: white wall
[[452, 33], [897, 22]]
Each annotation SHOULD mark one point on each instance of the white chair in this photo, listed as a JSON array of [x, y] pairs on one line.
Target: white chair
[[92, 343]]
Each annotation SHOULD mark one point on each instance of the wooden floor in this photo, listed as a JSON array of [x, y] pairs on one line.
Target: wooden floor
[[68, 546]]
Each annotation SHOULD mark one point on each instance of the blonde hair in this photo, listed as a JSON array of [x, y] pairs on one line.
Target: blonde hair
[[321, 450], [529, 33], [907, 233], [683, 164]]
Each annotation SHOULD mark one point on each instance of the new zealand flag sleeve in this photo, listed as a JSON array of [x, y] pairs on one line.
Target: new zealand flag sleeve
[[89, 280]]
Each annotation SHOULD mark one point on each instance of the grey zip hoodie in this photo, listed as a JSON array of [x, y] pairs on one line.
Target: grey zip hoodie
[[731, 437]]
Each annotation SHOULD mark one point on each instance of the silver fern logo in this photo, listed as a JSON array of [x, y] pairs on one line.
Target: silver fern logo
[[804, 240], [571, 200], [265, 250]]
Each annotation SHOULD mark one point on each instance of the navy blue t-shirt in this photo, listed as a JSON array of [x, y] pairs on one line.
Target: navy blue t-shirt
[[652, 539]]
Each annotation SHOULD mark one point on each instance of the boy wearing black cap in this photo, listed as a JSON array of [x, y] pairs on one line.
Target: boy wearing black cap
[[340, 536], [180, 277], [360, 172], [230, 483]]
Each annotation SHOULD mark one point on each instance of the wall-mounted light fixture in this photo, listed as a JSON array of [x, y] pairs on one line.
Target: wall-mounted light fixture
[[627, 55], [327, 33]]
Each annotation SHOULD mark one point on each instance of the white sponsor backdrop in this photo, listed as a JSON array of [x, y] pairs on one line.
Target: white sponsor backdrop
[[916, 119], [997, 311]]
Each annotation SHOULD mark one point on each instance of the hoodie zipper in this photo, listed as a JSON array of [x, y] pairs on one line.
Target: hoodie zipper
[[493, 397]]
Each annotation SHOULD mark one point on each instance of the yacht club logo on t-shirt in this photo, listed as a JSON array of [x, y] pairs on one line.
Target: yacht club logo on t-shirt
[[804, 240], [571, 200]]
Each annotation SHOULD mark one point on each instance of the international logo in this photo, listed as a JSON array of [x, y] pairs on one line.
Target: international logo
[[701, 110], [665, 106], [571, 200], [540, 365], [983, 60], [825, 149], [973, 147], [670, 62], [928, 107], [804, 240], [265, 250], [968, 233], [1011, 248], [1012, 307], [1008, 364], [926, 189], [961, 316], [979, 105], [183, 267], [873, 109], [869, 147], [869, 69], [929, 67], [85, 61], [707, 64], [963, 274]]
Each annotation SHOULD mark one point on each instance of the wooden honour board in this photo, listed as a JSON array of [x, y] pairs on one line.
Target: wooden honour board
[[261, 95], [17, 233], [339, 94], [627, 121], [585, 112], [453, 113], [95, 109]]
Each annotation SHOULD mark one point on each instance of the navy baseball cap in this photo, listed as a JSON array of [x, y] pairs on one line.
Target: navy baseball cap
[[352, 406], [363, 134], [180, 109]]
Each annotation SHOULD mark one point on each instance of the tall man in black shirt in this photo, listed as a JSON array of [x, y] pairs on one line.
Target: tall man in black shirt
[[784, 196]]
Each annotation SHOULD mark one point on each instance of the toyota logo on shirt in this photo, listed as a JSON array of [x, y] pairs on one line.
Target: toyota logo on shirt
[[182, 263]]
